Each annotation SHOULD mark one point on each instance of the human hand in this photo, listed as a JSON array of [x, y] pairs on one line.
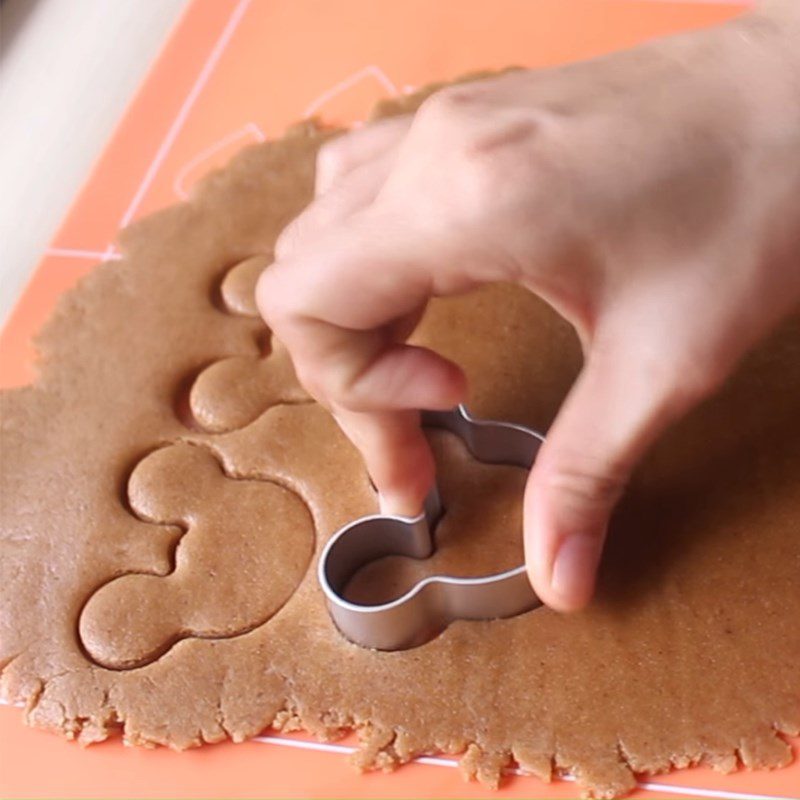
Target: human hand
[[652, 197]]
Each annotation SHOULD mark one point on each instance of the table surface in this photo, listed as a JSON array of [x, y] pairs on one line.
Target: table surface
[[235, 72]]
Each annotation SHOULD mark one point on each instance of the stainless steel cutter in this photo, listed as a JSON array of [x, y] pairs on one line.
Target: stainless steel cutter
[[434, 602]]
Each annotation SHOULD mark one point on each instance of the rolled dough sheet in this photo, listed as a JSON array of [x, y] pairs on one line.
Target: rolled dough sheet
[[160, 536]]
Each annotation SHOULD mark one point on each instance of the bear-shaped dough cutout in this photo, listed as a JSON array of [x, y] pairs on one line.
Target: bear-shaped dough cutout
[[233, 392], [246, 548]]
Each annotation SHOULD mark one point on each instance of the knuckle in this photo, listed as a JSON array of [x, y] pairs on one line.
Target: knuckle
[[464, 96], [504, 163], [328, 377], [446, 106], [351, 386], [490, 177]]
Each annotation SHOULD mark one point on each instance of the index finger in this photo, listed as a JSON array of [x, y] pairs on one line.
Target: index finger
[[397, 456]]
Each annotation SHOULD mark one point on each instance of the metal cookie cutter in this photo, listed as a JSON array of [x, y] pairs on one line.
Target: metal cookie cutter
[[434, 602]]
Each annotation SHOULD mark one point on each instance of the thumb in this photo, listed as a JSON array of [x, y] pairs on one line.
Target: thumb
[[623, 399]]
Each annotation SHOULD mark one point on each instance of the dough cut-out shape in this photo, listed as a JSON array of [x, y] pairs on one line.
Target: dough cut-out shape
[[689, 653], [238, 287], [231, 393], [246, 549]]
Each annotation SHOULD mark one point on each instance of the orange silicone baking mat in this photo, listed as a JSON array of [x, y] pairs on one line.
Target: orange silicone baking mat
[[238, 71]]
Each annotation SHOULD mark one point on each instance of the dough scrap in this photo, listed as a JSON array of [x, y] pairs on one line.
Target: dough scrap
[[689, 654]]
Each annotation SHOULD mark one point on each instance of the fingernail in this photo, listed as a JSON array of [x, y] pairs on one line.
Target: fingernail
[[574, 567]]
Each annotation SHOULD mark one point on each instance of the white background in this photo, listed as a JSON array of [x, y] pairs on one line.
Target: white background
[[68, 69]]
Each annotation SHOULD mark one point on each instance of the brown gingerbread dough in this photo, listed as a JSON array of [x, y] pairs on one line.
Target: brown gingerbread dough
[[121, 608], [231, 393]]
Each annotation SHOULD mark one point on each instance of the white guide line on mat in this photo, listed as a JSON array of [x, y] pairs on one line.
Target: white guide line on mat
[[438, 761], [178, 123], [371, 71], [109, 254], [249, 130]]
